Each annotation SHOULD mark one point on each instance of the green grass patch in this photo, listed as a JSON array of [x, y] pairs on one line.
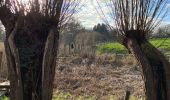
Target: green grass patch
[[61, 95], [111, 48], [68, 96], [162, 43], [115, 47], [4, 98]]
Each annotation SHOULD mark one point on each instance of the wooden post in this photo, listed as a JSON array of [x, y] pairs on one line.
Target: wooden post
[[127, 95]]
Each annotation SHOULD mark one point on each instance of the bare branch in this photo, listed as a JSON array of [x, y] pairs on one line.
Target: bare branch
[[144, 15], [56, 12]]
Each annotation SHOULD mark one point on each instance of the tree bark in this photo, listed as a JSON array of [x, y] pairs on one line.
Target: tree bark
[[11, 71], [31, 52], [161, 68], [15, 54], [49, 64], [13, 66], [25, 83], [156, 69], [134, 48]]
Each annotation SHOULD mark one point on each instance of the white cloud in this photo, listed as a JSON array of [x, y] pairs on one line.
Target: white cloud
[[168, 6], [88, 15]]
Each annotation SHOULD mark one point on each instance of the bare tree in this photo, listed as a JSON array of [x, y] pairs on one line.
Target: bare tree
[[162, 32], [135, 20], [31, 44]]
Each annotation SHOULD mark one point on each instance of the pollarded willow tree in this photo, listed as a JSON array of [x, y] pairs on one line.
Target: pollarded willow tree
[[32, 34], [135, 20]]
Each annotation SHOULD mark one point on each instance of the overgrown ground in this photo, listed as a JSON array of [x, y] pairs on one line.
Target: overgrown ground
[[160, 43], [103, 78]]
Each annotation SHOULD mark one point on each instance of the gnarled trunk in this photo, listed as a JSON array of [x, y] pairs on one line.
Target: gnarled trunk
[[161, 70], [49, 64], [155, 66], [31, 63]]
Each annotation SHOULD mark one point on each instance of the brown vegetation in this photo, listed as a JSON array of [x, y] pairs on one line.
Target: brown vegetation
[[99, 80]]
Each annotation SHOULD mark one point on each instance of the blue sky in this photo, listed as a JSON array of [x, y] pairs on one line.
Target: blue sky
[[89, 17]]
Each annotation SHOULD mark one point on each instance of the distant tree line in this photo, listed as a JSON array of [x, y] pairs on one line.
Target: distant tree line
[[74, 29], [162, 32], [106, 34], [77, 38]]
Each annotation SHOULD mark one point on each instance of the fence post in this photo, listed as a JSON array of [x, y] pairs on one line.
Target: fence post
[[127, 95]]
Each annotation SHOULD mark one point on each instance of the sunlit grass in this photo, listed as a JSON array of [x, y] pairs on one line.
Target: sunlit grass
[[60, 95], [163, 43], [4, 98], [111, 48], [68, 96], [115, 47]]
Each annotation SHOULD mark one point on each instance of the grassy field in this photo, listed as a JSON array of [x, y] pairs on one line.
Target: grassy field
[[4, 98], [163, 43], [118, 48], [69, 96], [110, 48]]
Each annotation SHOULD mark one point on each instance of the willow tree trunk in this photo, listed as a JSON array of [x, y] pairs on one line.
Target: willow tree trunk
[[31, 60], [155, 66]]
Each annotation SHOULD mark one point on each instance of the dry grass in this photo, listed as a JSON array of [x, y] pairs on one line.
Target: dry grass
[[3, 65], [129, 61], [98, 80], [98, 77], [1, 45]]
